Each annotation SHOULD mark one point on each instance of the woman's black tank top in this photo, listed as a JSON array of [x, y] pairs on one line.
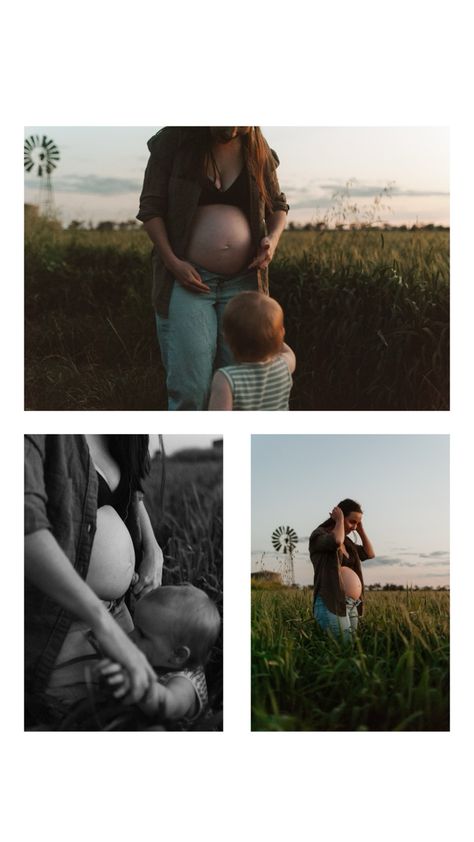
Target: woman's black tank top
[[118, 499], [237, 194]]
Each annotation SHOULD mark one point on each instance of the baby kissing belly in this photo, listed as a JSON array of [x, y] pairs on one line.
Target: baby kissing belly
[[112, 559], [220, 239], [351, 583]]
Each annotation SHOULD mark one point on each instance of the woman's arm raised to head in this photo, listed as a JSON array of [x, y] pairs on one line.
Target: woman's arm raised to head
[[338, 517], [369, 551]]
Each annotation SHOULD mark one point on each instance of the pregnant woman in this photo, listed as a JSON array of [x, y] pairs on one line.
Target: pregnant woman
[[336, 558], [88, 540], [212, 206]]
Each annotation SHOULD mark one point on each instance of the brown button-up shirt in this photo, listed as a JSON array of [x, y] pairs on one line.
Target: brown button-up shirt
[[61, 496], [171, 190], [327, 562]]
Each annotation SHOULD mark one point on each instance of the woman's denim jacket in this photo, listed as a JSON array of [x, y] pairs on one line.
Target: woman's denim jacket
[[171, 190], [60, 495]]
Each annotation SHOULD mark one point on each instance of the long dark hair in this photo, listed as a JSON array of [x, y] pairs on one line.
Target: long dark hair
[[347, 507], [259, 156], [133, 457]]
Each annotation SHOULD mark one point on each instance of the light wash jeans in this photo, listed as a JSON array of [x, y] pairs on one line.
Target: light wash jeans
[[345, 626], [191, 340]]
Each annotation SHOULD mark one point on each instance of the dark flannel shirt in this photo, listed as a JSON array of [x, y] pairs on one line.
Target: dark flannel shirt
[[61, 496], [327, 562], [171, 190]]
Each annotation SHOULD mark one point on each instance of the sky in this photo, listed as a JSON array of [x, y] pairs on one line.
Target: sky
[[401, 482], [100, 172], [173, 443]]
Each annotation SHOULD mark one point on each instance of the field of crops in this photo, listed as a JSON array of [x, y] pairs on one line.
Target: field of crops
[[395, 676], [188, 527], [367, 313]]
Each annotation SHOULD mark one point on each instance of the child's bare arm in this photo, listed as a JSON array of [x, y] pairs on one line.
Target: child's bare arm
[[289, 356], [174, 701], [221, 393]]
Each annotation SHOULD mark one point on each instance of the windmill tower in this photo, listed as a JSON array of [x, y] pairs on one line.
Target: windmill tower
[[41, 158], [285, 539]]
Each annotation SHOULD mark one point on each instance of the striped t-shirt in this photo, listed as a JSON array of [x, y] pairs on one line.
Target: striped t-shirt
[[259, 385]]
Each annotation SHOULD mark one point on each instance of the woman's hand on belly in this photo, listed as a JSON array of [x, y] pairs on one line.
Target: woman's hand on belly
[[187, 276], [150, 570], [264, 255]]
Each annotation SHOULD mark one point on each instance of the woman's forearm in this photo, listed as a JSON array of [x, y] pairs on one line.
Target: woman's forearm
[[338, 531], [366, 542], [156, 230], [276, 224], [148, 536], [47, 567]]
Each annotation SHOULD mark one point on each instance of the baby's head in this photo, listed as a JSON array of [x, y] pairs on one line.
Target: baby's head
[[176, 626], [253, 326]]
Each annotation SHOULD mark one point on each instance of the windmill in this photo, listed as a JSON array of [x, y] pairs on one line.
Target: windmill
[[285, 539], [41, 158]]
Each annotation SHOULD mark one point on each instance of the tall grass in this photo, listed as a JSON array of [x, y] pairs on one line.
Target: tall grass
[[395, 676], [366, 311], [368, 318], [188, 526]]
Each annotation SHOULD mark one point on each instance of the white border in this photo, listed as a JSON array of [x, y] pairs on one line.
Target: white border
[[298, 64]]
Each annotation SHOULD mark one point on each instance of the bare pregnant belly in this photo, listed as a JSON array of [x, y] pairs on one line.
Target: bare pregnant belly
[[112, 558], [351, 583], [220, 239]]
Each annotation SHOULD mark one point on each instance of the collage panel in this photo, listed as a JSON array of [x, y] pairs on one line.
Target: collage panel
[[237, 268], [123, 583], [350, 594]]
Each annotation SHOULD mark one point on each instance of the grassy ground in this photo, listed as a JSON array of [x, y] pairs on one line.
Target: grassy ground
[[394, 678], [367, 313], [188, 527]]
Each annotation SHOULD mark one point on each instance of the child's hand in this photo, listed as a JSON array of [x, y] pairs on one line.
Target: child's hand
[[115, 677]]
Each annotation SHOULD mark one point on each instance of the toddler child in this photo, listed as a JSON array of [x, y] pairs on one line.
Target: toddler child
[[176, 628], [261, 379]]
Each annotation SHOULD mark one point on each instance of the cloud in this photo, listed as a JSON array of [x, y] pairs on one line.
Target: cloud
[[368, 190], [389, 561], [396, 561], [321, 195], [92, 184], [435, 554]]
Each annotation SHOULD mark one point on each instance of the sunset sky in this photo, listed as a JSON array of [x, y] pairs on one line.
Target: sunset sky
[[401, 482], [100, 172]]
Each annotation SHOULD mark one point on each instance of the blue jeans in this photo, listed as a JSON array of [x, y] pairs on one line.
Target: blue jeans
[[191, 340], [345, 626]]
